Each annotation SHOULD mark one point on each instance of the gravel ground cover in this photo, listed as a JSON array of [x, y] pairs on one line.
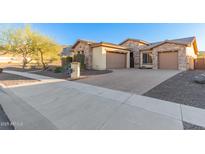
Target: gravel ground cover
[[181, 89], [12, 79], [188, 126], [83, 73]]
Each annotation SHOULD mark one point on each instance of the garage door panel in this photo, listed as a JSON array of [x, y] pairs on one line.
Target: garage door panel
[[168, 60], [115, 60]]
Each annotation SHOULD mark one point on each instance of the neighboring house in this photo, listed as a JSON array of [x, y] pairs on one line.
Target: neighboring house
[[168, 54], [66, 51]]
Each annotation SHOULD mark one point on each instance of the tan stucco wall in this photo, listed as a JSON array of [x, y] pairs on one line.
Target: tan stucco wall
[[190, 55], [99, 57]]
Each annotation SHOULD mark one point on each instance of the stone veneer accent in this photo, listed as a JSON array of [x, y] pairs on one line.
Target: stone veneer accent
[[134, 47], [85, 47], [167, 47]]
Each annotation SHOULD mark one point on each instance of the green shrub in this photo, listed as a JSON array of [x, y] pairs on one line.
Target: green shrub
[[66, 61], [58, 70], [81, 59]]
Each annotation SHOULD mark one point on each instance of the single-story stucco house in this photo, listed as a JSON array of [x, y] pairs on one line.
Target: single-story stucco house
[[169, 54]]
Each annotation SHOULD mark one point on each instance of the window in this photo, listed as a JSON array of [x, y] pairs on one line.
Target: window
[[147, 58]]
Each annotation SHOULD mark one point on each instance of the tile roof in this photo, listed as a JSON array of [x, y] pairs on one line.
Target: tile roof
[[82, 40], [109, 45], [137, 40], [183, 41]]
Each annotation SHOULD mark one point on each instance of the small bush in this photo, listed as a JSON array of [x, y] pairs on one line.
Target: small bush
[[58, 70], [81, 59], [65, 61]]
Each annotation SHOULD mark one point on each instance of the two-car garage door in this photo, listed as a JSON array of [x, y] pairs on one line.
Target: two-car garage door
[[115, 60], [168, 60]]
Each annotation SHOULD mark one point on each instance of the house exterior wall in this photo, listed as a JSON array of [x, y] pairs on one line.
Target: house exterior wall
[[99, 57], [182, 59], [86, 49], [185, 55], [141, 59], [134, 47], [190, 57]]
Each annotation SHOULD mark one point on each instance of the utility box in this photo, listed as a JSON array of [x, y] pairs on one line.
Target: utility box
[[75, 66]]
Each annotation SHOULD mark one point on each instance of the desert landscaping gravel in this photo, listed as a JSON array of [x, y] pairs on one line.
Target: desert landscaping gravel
[[83, 73], [181, 89], [12, 79], [188, 126]]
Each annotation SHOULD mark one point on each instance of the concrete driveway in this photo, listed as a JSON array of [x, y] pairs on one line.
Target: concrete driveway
[[136, 81], [61, 104]]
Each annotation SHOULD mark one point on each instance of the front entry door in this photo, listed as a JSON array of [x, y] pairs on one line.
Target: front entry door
[[131, 60]]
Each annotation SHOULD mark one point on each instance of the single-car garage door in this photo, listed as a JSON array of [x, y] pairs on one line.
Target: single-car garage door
[[115, 60], [168, 60]]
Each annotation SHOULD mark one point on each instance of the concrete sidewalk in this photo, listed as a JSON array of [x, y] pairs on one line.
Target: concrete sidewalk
[[71, 105], [22, 115]]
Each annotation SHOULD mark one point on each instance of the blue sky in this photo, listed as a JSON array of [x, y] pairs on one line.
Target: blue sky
[[67, 34]]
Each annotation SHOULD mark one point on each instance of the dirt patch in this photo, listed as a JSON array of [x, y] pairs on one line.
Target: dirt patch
[[189, 126], [51, 74], [181, 89], [19, 69], [83, 73], [50, 71], [12, 79]]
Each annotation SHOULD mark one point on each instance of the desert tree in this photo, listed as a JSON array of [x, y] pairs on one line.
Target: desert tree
[[47, 49], [18, 42], [30, 45]]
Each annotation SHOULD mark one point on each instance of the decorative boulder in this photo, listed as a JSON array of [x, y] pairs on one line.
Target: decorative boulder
[[200, 79], [1, 70]]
